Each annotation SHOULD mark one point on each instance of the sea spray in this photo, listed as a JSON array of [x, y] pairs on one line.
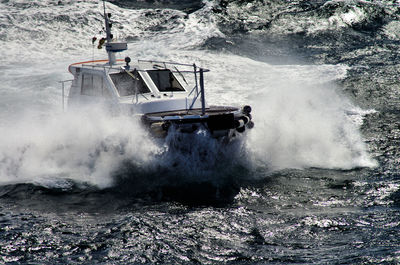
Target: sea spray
[[90, 145], [302, 119], [200, 156], [83, 146], [302, 125]]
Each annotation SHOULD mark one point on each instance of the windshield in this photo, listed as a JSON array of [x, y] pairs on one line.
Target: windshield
[[165, 80], [126, 85]]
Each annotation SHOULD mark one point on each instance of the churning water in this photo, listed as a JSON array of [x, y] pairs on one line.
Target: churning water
[[316, 181]]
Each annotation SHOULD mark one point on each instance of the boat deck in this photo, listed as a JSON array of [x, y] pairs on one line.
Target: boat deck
[[211, 111]]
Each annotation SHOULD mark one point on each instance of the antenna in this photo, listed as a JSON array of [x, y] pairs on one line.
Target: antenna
[[107, 23], [111, 47], [104, 6]]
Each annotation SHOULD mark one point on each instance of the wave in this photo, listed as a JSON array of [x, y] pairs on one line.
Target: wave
[[34, 28], [90, 146], [80, 147], [304, 17], [301, 116], [188, 6], [299, 124]]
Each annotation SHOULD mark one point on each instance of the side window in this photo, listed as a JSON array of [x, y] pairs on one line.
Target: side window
[[93, 85], [87, 85]]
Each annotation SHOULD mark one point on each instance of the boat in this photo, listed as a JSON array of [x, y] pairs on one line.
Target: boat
[[160, 93]]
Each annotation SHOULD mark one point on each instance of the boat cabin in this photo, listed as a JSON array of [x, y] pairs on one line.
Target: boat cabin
[[147, 83]]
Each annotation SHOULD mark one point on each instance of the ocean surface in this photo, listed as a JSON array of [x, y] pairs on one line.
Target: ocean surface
[[317, 181]]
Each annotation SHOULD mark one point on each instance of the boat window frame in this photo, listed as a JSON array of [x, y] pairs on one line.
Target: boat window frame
[[136, 73], [182, 88], [105, 92]]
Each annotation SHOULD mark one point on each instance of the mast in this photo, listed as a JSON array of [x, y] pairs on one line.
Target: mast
[[111, 47]]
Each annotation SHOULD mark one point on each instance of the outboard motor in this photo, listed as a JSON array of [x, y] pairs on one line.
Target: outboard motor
[[244, 121]]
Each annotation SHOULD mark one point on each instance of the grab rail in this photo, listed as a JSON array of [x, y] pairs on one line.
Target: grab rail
[[63, 91]]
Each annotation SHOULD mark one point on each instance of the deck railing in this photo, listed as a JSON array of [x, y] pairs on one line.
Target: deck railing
[[63, 91]]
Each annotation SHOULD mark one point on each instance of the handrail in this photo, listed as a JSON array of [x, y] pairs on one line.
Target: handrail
[[93, 65], [195, 87], [86, 65], [191, 91], [63, 91], [163, 62], [174, 63]]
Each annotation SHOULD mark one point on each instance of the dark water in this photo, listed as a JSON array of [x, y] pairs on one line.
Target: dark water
[[218, 208]]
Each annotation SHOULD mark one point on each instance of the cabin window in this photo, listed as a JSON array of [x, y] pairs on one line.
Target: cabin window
[[126, 85], [94, 85], [165, 80]]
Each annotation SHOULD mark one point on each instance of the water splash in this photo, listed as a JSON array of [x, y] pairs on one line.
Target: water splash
[[306, 127], [85, 147], [301, 118]]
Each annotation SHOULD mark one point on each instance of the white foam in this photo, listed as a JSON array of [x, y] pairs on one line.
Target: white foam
[[305, 127], [302, 119], [83, 146]]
